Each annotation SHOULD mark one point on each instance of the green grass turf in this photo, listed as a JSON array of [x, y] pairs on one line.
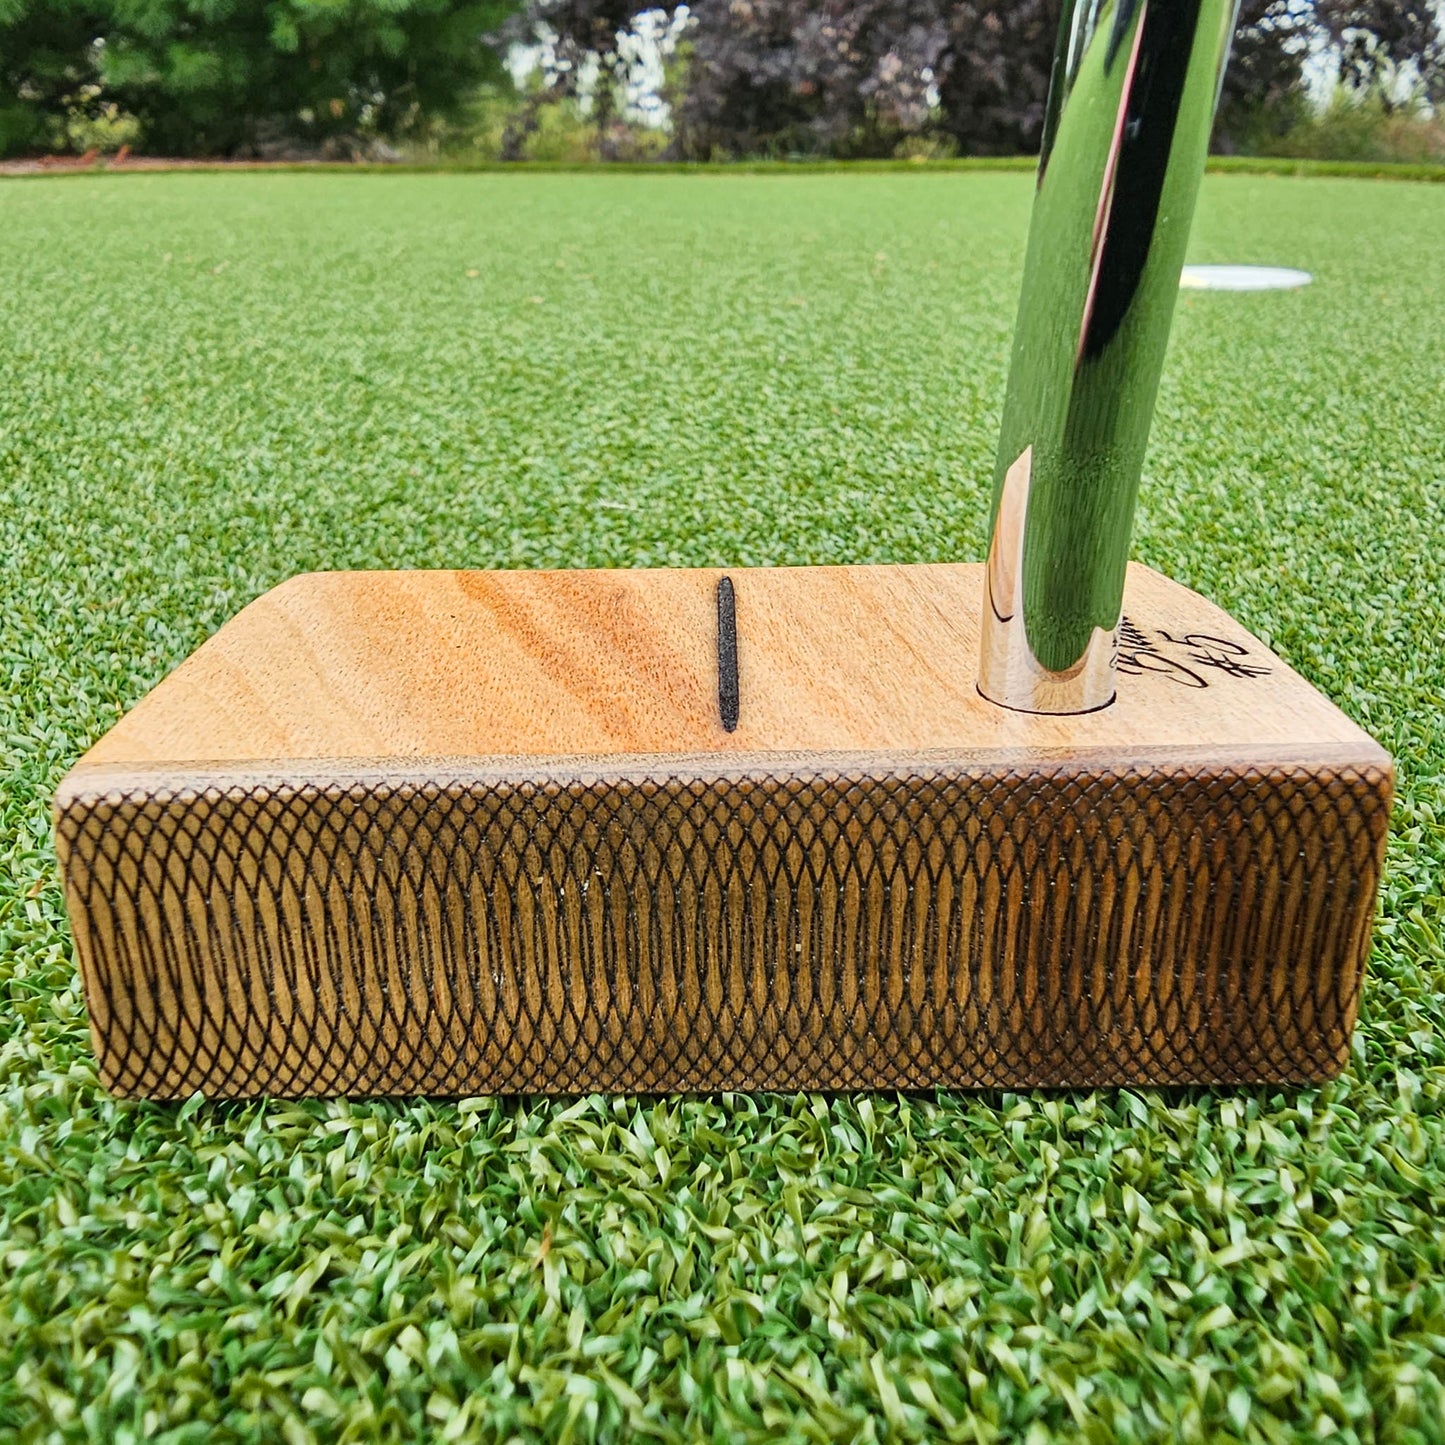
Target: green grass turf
[[211, 382]]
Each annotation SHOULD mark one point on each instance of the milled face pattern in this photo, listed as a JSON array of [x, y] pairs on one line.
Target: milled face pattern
[[1060, 926]]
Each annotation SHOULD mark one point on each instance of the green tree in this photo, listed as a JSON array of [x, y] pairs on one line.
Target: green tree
[[219, 76], [48, 59], [222, 77]]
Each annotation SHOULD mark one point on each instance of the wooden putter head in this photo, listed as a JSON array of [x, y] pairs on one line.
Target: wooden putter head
[[1050, 820]]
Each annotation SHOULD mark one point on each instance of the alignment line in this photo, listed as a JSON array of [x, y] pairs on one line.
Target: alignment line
[[727, 654]]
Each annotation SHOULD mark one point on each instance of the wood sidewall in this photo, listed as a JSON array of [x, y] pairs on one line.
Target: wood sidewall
[[1066, 923]]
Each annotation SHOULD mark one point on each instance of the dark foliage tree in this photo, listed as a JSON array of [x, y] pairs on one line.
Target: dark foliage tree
[[854, 77], [838, 78], [1264, 80], [1379, 40], [994, 80], [788, 76]]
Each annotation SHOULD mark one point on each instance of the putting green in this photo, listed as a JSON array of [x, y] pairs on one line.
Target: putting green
[[214, 381]]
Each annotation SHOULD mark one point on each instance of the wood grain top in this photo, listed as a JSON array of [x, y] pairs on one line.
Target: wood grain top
[[355, 666]]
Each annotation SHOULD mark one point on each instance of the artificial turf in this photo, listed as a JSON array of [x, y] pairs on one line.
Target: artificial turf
[[209, 382]]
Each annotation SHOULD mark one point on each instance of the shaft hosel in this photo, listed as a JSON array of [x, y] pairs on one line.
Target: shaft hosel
[[1130, 108]]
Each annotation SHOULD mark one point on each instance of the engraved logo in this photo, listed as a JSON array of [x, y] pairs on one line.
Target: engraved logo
[[1193, 660]]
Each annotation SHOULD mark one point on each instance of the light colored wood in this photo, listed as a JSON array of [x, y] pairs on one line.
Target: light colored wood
[[595, 664], [462, 832]]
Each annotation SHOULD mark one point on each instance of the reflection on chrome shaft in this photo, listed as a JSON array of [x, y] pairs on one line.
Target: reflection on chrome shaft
[[1130, 107]]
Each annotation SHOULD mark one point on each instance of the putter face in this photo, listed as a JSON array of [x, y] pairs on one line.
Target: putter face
[[1051, 820]]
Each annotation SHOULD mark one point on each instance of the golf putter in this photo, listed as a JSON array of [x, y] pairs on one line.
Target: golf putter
[[1050, 820]]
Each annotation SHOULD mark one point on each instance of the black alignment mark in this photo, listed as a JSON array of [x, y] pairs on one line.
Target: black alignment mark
[[727, 654]]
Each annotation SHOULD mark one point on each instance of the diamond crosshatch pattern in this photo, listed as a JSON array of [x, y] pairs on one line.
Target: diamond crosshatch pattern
[[1055, 925]]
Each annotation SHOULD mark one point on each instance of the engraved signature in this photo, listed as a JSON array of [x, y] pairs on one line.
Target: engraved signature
[[1182, 659]]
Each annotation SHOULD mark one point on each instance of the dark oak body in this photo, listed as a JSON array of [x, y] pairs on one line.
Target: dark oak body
[[464, 833]]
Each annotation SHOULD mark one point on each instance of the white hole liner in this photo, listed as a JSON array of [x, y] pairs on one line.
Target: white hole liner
[[1243, 278]]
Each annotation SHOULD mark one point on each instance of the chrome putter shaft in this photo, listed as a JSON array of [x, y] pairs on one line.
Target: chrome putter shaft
[[1130, 107]]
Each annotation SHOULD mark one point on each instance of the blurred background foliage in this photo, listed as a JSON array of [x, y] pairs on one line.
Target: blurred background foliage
[[274, 79], [581, 80]]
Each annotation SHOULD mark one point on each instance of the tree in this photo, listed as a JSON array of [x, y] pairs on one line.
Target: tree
[[994, 80], [787, 76], [855, 77], [575, 31], [223, 77], [1381, 43], [47, 62], [1264, 79]]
